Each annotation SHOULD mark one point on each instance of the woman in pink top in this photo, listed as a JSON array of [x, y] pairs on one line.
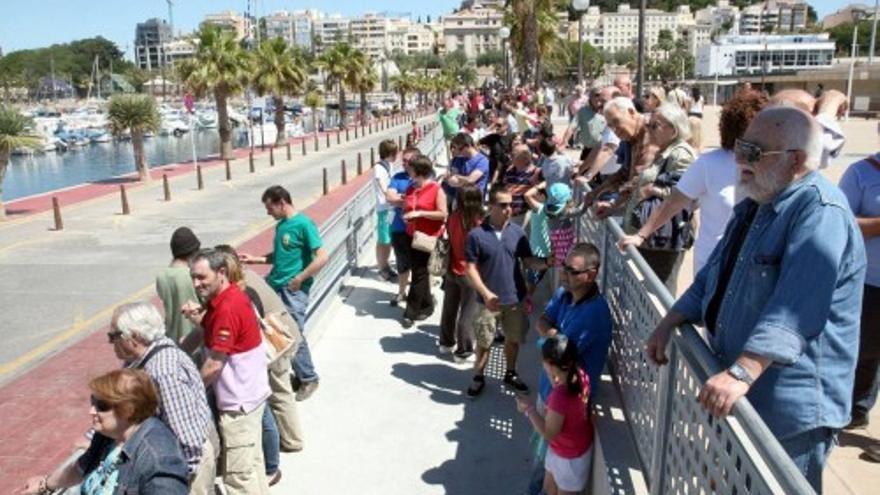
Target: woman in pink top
[[566, 425]]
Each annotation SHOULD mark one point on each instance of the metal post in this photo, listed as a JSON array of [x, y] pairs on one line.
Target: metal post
[[852, 65], [640, 71], [316, 142], [272, 156], [580, 47], [355, 131], [400, 142], [873, 32], [360, 164], [344, 171], [338, 137], [303, 142], [346, 135], [200, 180], [326, 182], [288, 151], [327, 141], [251, 162], [228, 170], [166, 188], [125, 209], [372, 157], [56, 209]]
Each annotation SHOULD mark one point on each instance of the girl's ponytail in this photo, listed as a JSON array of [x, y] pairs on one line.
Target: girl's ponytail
[[562, 353]]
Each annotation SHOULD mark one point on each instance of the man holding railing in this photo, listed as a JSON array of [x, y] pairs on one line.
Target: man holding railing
[[781, 293]]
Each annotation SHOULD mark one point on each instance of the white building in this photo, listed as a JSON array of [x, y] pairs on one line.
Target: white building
[[180, 49], [722, 17], [295, 28], [409, 37], [619, 30], [370, 34], [773, 16], [331, 30], [473, 30], [752, 55], [231, 21]]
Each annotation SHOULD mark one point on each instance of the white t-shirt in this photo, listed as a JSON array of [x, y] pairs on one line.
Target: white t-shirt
[[832, 139], [612, 165], [381, 179], [711, 180]]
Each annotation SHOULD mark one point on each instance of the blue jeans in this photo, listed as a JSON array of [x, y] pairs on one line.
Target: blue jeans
[[297, 303], [271, 442], [809, 450]]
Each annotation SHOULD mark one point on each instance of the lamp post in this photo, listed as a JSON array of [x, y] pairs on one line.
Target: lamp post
[[504, 33], [856, 16], [580, 6], [640, 59], [873, 32]]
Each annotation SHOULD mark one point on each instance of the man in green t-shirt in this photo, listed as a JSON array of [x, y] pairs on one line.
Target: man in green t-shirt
[[297, 256]]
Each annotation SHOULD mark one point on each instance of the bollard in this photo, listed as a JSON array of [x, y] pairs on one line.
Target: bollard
[[125, 209], [56, 209], [400, 142], [303, 142], [316, 142], [360, 164], [372, 157], [346, 134], [272, 156], [251, 162], [201, 181], [166, 187], [344, 173], [363, 133], [338, 137], [228, 170], [326, 183], [327, 135], [288, 151]]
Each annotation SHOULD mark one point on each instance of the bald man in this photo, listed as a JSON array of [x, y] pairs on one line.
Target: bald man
[[781, 294], [826, 110]]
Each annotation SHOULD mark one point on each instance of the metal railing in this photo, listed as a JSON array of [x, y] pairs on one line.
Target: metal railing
[[682, 448], [348, 232]]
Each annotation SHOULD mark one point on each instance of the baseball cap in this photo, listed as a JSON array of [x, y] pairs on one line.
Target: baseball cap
[[558, 195]]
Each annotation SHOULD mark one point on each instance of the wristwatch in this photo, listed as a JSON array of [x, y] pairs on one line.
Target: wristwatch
[[740, 373]]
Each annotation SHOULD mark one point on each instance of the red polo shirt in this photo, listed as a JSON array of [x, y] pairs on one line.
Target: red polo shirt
[[230, 323]]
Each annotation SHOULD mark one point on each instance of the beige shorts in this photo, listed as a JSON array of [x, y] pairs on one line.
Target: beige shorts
[[513, 321]]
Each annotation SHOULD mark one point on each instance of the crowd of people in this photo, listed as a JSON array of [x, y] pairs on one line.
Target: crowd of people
[[780, 260]]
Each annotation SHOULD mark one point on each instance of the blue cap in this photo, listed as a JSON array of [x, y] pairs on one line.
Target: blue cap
[[558, 195]]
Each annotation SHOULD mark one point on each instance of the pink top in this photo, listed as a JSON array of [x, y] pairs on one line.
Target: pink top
[[576, 436], [243, 383]]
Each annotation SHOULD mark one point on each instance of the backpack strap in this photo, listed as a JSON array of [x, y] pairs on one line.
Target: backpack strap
[[873, 161], [152, 353]]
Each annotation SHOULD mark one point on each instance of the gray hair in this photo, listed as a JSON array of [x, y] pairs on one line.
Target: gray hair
[[797, 129], [216, 259], [677, 118], [139, 319], [621, 103]]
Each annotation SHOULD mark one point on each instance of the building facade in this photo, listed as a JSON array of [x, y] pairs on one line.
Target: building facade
[[296, 28], [473, 31], [765, 54], [149, 40], [331, 30], [617, 31], [846, 15], [230, 21], [773, 16]]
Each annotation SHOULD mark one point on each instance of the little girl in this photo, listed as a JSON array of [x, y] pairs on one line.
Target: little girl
[[552, 226], [566, 425]]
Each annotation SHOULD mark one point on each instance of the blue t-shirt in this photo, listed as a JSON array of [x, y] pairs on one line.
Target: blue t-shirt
[[588, 323], [400, 182], [861, 186], [464, 166], [497, 259]]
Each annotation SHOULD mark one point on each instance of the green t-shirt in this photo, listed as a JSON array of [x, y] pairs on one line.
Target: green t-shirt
[[174, 286], [296, 239], [449, 122]]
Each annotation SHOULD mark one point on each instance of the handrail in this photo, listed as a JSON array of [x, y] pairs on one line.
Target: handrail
[[659, 403]]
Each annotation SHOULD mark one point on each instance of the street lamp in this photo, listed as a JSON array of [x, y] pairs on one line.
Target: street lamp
[[580, 6], [856, 17], [504, 33]]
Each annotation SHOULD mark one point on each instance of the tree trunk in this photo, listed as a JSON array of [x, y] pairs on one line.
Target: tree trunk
[[315, 120], [343, 110], [402, 101], [223, 123], [363, 107], [4, 161], [280, 138], [140, 162]]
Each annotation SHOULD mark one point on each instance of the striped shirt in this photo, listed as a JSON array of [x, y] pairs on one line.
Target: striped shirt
[[183, 405]]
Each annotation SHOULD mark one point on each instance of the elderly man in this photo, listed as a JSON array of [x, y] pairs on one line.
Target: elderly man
[[137, 334], [781, 293], [602, 157]]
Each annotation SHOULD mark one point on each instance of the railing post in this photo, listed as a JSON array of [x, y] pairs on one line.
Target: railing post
[[56, 210], [665, 390], [125, 209], [166, 187]]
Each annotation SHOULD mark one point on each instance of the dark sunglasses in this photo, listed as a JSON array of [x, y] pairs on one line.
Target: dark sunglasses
[[113, 335], [571, 271], [751, 153], [100, 405]]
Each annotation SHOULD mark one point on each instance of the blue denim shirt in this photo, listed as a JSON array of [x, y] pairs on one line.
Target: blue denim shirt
[[794, 296], [150, 461]]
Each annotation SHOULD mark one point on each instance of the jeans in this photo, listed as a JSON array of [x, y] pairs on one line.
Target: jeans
[[297, 303], [809, 450], [866, 381], [271, 443], [418, 301]]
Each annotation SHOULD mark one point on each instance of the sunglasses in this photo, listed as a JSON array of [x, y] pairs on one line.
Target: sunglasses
[[100, 405], [572, 271], [113, 335], [751, 153]]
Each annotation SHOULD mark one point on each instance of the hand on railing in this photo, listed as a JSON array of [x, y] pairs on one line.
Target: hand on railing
[[659, 339], [720, 393], [630, 240]]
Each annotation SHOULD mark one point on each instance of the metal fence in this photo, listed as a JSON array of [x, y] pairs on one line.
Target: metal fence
[[682, 448], [348, 232]]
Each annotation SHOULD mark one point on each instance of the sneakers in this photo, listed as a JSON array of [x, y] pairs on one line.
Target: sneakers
[[858, 422], [388, 274], [306, 390], [512, 380], [396, 300], [872, 452], [444, 349], [407, 322], [461, 355], [477, 386], [275, 478]]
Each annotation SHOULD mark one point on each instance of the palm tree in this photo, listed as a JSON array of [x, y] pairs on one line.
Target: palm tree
[[341, 65], [220, 67], [139, 114], [14, 133], [314, 100], [367, 80], [278, 71], [530, 21], [403, 85]]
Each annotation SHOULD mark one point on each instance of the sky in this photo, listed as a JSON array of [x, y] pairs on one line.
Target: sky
[[38, 23]]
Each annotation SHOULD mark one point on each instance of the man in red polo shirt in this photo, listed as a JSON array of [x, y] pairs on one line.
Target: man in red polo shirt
[[235, 365]]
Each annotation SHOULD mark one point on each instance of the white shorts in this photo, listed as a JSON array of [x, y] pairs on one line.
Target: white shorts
[[570, 475]]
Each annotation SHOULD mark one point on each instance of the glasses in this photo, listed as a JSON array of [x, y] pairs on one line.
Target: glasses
[[503, 205], [572, 271], [751, 153], [113, 335], [100, 405]]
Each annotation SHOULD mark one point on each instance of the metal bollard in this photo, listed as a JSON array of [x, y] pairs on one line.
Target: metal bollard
[[355, 131], [400, 141], [344, 173], [201, 181], [251, 162], [125, 208], [360, 164], [166, 187], [272, 156], [316, 142], [56, 209], [288, 151], [338, 137], [303, 142], [372, 157], [228, 170], [346, 135], [326, 183], [327, 135]]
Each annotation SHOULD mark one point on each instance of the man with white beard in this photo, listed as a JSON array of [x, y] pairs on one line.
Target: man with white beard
[[781, 293]]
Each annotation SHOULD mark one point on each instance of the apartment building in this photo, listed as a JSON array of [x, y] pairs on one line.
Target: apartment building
[[773, 16], [616, 31], [296, 28], [330, 30], [231, 21], [150, 38], [473, 30]]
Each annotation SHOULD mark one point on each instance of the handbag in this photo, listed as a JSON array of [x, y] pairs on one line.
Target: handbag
[[424, 242], [438, 263], [277, 337]]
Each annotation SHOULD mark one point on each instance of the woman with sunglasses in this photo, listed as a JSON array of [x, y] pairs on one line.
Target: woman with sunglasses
[[132, 451], [664, 249]]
